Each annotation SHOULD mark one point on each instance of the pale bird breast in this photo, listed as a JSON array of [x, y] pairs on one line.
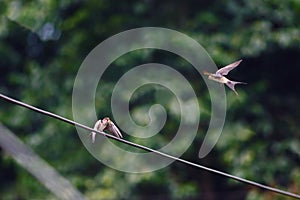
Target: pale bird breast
[[101, 126]]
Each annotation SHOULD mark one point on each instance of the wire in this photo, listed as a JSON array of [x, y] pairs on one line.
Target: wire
[[11, 100]]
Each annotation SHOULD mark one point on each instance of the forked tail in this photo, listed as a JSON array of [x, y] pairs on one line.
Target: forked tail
[[231, 85]]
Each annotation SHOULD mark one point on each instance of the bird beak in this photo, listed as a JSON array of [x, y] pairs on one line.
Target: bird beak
[[206, 73]]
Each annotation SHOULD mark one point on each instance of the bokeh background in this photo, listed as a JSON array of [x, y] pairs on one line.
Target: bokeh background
[[43, 43]]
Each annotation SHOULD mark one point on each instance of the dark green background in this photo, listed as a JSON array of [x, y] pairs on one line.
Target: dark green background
[[261, 137]]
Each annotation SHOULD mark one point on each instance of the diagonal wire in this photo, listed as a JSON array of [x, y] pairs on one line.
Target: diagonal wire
[[253, 183]]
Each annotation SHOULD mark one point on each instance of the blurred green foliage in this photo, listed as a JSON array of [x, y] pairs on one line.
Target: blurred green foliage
[[42, 44]]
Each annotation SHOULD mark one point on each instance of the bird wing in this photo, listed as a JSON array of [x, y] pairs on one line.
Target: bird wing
[[114, 129], [99, 126], [225, 70]]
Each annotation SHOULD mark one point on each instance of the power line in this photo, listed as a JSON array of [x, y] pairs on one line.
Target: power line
[[11, 100]]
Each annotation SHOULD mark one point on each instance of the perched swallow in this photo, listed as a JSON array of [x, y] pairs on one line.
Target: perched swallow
[[106, 124], [219, 76]]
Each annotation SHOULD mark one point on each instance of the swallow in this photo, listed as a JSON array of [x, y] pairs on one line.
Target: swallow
[[105, 124], [219, 76]]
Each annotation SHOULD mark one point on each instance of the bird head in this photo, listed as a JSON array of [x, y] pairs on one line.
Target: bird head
[[106, 120]]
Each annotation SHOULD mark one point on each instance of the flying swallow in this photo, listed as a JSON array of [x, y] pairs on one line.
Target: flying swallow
[[219, 76], [106, 124]]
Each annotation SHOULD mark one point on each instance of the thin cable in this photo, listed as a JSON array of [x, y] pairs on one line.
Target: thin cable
[[11, 100]]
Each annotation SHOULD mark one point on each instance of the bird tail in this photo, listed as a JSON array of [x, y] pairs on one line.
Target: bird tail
[[93, 136], [231, 85]]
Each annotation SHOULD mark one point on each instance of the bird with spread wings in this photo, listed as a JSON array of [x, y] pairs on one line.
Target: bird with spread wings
[[219, 76], [106, 124]]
